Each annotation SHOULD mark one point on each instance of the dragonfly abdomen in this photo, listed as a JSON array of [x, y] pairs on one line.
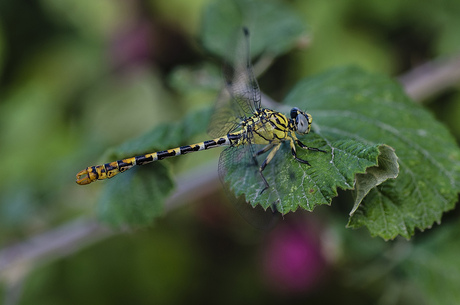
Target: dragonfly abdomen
[[108, 170]]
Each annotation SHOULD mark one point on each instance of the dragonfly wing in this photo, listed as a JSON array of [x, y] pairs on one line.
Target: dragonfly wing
[[226, 116], [242, 96], [239, 77], [237, 166]]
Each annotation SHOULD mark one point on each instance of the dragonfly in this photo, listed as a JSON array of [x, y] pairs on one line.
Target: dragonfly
[[239, 123]]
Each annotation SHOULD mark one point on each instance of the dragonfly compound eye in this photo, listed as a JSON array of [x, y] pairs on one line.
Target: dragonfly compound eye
[[303, 123], [294, 112]]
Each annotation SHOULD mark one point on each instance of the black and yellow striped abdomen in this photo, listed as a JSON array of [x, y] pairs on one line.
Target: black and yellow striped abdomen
[[108, 170]]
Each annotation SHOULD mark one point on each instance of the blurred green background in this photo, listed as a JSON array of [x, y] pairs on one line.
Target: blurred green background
[[79, 77]]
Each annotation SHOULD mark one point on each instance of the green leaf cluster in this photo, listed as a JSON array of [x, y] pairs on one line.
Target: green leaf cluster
[[354, 112], [371, 132], [350, 103]]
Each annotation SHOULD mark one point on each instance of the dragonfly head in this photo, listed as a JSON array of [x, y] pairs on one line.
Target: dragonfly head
[[302, 120]]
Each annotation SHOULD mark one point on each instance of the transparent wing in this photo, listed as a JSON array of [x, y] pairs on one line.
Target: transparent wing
[[242, 96], [238, 101], [230, 162], [226, 116], [239, 77]]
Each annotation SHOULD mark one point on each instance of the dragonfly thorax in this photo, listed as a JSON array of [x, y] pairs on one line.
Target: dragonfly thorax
[[266, 126]]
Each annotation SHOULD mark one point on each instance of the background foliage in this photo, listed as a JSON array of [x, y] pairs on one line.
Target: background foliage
[[78, 77]]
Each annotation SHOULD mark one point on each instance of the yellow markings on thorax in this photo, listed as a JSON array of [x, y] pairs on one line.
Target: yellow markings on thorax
[[269, 127]]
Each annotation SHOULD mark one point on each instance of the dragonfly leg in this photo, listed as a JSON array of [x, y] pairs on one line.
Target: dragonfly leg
[[308, 148], [265, 149], [265, 182], [266, 161], [294, 153]]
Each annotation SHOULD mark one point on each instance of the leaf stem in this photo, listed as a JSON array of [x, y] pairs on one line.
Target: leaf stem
[[431, 78]]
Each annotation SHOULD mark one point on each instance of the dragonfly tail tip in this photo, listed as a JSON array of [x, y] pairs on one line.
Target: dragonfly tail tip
[[83, 177]]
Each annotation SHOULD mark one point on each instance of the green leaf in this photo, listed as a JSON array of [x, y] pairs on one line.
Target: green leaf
[[223, 20], [164, 136], [294, 185], [349, 103], [387, 168], [137, 196]]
